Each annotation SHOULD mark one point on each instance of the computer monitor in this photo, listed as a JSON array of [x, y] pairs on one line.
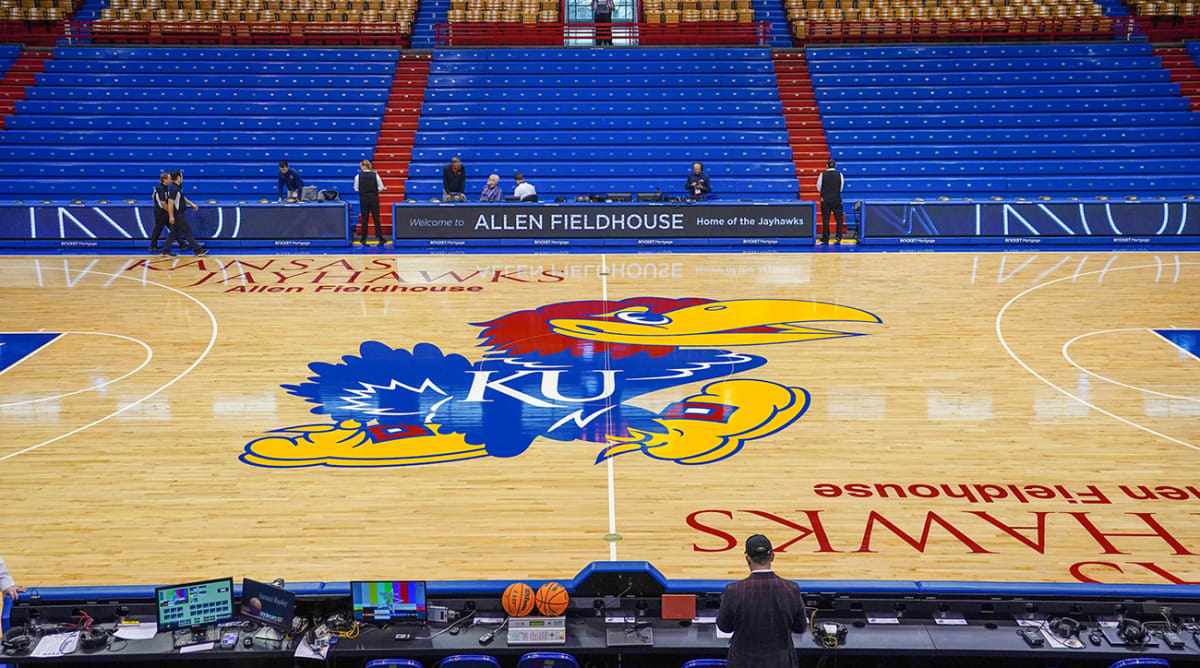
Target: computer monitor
[[267, 604], [195, 604], [620, 197], [650, 197], [388, 601]]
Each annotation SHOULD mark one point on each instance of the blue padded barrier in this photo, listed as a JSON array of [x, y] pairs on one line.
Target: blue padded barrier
[[985, 64], [1007, 106], [469, 661], [532, 153], [1012, 91], [547, 660], [226, 81], [201, 94], [985, 121], [1072, 135], [192, 67], [393, 663], [189, 53], [1157, 75], [281, 108], [981, 51], [578, 123], [637, 94], [705, 663], [167, 137]]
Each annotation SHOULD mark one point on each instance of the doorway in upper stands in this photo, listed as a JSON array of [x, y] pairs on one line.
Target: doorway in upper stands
[[585, 33]]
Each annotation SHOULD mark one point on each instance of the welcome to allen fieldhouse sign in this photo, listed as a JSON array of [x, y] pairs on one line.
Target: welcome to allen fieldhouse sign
[[591, 221]]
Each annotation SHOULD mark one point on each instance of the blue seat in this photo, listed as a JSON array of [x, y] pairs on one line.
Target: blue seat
[[205, 80], [547, 660], [1126, 663], [601, 80], [704, 94], [1036, 120], [981, 51], [984, 64], [524, 123], [1010, 91], [705, 663], [991, 78], [832, 109], [256, 109], [199, 94], [187, 53], [191, 66], [469, 661], [393, 663]]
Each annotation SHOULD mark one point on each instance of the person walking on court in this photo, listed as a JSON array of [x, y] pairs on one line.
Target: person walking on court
[[368, 185], [289, 182], [602, 11], [177, 216], [762, 612], [160, 210], [491, 191], [830, 184], [698, 185], [454, 181]]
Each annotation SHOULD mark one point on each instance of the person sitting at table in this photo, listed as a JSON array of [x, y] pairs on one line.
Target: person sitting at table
[[698, 186], [491, 191], [524, 192]]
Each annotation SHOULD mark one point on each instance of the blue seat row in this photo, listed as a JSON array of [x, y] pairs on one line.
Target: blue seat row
[[594, 108], [1011, 91], [675, 169], [829, 109], [1118, 62], [1057, 50], [201, 80], [192, 66], [1079, 185], [699, 94], [629, 122], [161, 54], [34, 122], [294, 107], [10, 52], [198, 189], [537, 56], [191, 94], [585, 137], [530, 153], [549, 188], [1029, 120], [1155, 75], [194, 169], [168, 155], [1052, 166], [1073, 135], [665, 67], [1007, 151], [183, 139], [601, 80]]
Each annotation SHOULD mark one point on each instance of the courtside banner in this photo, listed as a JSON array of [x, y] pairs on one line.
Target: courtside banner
[[601, 224], [1025, 222], [108, 225]]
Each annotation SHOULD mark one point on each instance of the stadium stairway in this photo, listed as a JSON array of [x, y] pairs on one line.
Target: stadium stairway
[[18, 74], [91, 128], [1184, 71], [1011, 120], [805, 132], [774, 13], [590, 121], [429, 14], [393, 150]]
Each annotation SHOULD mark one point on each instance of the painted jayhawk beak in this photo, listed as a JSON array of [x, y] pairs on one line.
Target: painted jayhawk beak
[[742, 322]]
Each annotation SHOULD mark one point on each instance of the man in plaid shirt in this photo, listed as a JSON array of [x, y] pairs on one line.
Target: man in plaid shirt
[[762, 612]]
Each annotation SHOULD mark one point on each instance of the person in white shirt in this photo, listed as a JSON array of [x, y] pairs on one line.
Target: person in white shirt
[[7, 584], [524, 192]]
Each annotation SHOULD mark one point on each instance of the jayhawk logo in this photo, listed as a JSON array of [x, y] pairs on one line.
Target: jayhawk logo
[[563, 372]]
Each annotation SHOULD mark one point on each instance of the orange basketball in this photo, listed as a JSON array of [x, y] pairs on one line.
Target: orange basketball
[[517, 599], [551, 599]]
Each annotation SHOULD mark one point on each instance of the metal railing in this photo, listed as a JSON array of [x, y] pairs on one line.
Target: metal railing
[[588, 34]]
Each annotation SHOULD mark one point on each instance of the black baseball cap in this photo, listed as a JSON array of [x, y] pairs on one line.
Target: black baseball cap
[[757, 545]]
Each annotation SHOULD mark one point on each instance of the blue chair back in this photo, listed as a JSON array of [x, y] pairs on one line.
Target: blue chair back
[[547, 660], [705, 663], [1125, 663], [469, 661], [394, 663]]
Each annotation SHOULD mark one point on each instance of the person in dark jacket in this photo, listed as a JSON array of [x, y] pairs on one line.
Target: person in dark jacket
[[454, 181], [762, 611], [698, 185], [830, 184], [368, 185], [177, 205], [161, 219], [290, 182]]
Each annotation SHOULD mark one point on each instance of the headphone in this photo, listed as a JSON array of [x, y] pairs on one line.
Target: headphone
[[1063, 627], [1133, 633], [17, 640], [93, 639]]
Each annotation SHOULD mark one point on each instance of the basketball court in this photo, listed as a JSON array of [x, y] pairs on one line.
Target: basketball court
[[929, 416]]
